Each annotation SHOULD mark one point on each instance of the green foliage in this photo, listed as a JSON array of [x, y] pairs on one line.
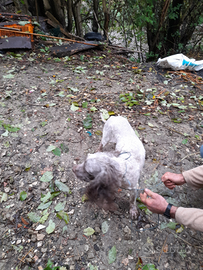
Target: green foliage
[[129, 99]]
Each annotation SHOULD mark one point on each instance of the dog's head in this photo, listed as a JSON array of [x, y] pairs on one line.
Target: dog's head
[[103, 173]]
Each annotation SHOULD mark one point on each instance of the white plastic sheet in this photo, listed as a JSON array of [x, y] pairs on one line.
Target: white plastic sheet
[[180, 62]]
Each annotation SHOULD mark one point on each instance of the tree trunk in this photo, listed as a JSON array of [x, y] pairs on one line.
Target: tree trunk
[[70, 15], [95, 16], [173, 35], [77, 17], [57, 9], [106, 18]]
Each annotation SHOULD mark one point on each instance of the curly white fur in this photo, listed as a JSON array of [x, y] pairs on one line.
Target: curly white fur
[[106, 169]]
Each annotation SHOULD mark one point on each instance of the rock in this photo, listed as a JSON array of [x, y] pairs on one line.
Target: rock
[[94, 238], [44, 185], [43, 250], [7, 189], [90, 255], [127, 230], [18, 242], [96, 247], [97, 229], [71, 212], [40, 237], [33, 238], [73, 236], [39, 244]]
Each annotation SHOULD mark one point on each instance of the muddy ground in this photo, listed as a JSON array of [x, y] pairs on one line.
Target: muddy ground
[[42, 130]]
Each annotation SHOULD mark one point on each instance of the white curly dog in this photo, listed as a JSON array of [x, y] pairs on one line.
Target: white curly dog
[[109, 170]]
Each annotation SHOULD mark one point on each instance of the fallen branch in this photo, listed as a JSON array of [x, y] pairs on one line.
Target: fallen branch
[[41, 35]]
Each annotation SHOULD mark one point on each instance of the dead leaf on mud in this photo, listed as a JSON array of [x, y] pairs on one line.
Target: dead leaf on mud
[[89, 231], [125, 261], [51, 227]]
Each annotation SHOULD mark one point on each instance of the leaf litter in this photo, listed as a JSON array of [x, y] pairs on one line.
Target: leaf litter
[[148, 103]]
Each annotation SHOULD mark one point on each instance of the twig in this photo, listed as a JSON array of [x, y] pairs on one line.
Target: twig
[[22, 260], [189, 155], [186, 241], [162, 249]]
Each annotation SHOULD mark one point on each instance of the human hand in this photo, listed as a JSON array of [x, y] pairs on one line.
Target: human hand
[[155, 203], [171, 180]]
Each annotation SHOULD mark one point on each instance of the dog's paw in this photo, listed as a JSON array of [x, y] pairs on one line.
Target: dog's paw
[[134, 212]]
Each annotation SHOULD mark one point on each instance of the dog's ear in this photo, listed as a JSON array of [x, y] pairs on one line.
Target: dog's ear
[[103, 189]]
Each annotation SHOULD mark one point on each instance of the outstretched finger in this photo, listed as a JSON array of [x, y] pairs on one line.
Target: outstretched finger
[[143, 197], [149, 192]]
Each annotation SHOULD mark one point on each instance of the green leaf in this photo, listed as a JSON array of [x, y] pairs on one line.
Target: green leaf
[[85, 104], [33, 217], [93, 109], [149, 267], [74, 108], [150, 125], [84, 198], [4, 197], [50, 148], [60, 206], [51, 227], [43, 206], [112, 255], [184, 141], [89, 231], [57, 152], [45, 198], [43, 123], [65, 228], [50, 267], [63, 215], [176, 120], [170, 225], [10, 128], [87, 122], [105, 114], [23, 195], [73, 89], [9, 76], [44, 217], [54, 194], [64, 148], [105, 227], [5, 134], [47, 177], [61, 186]]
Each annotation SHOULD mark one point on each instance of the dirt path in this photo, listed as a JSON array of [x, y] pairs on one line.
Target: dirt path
[[44, 106]]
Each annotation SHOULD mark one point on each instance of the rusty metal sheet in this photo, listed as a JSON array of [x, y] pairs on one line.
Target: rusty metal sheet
[[15, 43]]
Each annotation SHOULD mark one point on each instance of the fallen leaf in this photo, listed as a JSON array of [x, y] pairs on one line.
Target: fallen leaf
[[24, 221], [105, 227], [61, 186], [63, 215], [33, 217], [125, 261], [47, 177], [51, 227], [112, 255], [89, 231], [23, 195]]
